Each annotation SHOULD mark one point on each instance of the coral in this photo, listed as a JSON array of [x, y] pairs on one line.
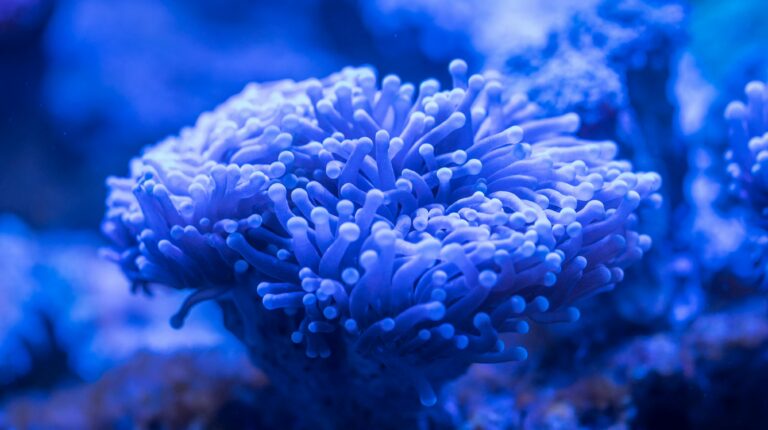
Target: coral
[[446, 28], [748, 146], [729, 233], [681, 386], [571, 79], [677, 373], [569, 48], [655, 380], [106, 76], [608, 61], [187, 389], [743, 203], [635, 33], [68, 314], [611, 65], [693, 96], [366, 243]]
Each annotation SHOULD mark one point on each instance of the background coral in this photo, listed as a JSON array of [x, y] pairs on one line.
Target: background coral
[[186, 389], [69, 315]]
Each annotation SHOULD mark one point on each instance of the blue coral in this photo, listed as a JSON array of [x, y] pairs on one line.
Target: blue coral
[[371, 240], [576, 56], [747, 166], [748, 151], [68, 315]]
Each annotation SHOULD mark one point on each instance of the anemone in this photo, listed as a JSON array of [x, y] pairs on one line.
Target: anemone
[[368, 243]]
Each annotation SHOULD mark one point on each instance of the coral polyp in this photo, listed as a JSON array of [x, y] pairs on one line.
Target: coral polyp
[[748, 138], [368, 243], [747, 166]]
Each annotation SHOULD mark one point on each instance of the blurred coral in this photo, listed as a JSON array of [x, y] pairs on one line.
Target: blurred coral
[[182, 390], [694, 378], [69, 315]]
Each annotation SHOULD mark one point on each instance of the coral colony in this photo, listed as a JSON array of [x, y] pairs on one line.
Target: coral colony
[[748, 138], [368, 243], [747, 159]]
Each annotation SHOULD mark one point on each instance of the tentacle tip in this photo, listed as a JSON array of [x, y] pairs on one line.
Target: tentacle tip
[[428, 401], [735, 111], [177, 321], [520, 354], [458, 66], [573, 122], [754, 89]]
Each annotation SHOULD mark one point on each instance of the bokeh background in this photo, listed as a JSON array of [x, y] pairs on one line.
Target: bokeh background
[[86, 84]]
